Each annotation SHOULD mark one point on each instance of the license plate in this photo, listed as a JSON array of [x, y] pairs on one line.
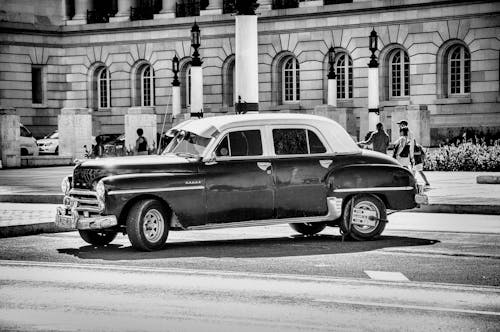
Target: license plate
[[65, 221], [361, 217]]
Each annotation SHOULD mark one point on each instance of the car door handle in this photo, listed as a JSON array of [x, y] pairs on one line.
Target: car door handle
[[264, 165]]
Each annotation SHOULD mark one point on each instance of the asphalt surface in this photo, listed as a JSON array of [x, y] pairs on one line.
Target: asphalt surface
[[66, 297], [428, 272]]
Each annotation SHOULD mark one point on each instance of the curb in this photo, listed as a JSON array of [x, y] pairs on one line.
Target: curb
[[40, 198], [23, 230], [488, 179], [458, 209]]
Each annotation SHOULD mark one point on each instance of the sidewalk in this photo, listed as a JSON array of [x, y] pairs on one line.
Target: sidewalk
[[450, 192]]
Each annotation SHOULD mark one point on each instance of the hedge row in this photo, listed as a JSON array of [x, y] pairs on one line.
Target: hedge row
[[464, 157]]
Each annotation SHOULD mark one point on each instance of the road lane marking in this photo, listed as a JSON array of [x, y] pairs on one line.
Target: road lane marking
[[412, 307], [387, 276]]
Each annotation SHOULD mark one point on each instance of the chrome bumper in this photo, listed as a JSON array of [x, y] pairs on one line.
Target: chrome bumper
[[72, 220], [81, 210], [420, 197]]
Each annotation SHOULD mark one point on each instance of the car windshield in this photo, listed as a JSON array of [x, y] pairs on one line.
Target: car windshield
[[187, 144], [55, 135]]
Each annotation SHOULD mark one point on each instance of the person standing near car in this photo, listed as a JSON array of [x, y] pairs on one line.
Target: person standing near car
[[141, 144], [379, 139], [404, 149]]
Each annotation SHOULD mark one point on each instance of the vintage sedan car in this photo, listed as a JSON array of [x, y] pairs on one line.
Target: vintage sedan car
[[235, 171]]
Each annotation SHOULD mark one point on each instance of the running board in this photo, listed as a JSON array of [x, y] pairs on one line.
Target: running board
[[334, 212]]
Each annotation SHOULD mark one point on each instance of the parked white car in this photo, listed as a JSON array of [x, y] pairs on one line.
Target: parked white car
[[49, 144], [27, 142]]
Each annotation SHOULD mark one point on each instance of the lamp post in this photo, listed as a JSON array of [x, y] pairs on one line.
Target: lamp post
[[332, 79], [176, 89], [196, 88], [373, 88]]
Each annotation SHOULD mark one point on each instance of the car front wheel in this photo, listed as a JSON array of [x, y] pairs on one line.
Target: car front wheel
[[364, 217], [97, 238], [309, 228], [148, 225]]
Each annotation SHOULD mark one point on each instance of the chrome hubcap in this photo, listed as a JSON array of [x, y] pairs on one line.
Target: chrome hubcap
[[154, 225], [367, 205]]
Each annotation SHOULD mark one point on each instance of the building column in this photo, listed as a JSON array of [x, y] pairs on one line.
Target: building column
[[10, 149], [123, 13], [196, 89], [214, 8], [75, 132], [247, 64], [81, 7], [144, 118], [167, 9]]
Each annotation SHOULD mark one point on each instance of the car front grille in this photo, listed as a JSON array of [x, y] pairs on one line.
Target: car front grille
[[83, 200]]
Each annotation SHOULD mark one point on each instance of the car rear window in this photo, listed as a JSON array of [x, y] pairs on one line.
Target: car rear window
[[240, 143], [296, 141]]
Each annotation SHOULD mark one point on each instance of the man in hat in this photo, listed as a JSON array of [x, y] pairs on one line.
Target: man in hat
[[403, 126]]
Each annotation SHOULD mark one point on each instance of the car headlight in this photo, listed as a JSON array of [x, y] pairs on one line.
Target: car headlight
[[100, 190], [66, 185]]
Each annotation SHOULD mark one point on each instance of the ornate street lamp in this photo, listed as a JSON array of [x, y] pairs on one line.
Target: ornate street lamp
[[373, 86], [196, 88], [196, 43], [373, 46], [331, 61], [175, 69]]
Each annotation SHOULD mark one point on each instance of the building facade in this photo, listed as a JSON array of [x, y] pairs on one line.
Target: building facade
[[110, 56]]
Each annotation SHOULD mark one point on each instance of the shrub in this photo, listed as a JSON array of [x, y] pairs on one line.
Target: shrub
[[464, 157]]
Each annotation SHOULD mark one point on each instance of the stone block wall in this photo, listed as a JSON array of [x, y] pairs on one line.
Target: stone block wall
[[419, 27]]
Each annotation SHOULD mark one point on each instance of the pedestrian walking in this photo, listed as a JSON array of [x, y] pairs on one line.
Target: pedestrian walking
[[404, 149], [141, 144], [379, 139], [419, 163]]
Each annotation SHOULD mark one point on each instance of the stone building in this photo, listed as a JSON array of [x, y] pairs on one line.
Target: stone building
[[110, 56]]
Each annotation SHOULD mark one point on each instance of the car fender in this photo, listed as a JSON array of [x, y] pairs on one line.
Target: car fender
[[393, 184], [184, 193]]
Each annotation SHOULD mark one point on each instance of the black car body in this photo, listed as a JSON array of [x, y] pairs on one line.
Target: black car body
[[241, 170]]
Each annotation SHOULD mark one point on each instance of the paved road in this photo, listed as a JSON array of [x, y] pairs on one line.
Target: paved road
[[428, 272], [62, 297]]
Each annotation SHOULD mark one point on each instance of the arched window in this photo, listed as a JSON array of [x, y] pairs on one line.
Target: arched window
[[343, 70], [229, 82], [147, 86], [399, 74], [185, 79], [458, 65], [103, 88], [290, 80]]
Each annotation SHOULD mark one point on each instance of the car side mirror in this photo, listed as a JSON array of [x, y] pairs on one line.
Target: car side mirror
[[211, 160]]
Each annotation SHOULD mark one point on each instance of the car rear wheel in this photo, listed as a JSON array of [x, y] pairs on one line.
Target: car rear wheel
[[309, 228], [148, 225], [97, 238], [364, 218]]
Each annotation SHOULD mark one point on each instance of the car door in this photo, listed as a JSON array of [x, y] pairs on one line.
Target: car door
[[299, 165], [239, 184]]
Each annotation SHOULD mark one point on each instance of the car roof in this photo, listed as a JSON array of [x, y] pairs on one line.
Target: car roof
[[337, 137]]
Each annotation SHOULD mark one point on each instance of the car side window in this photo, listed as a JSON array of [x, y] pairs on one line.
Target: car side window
[[296, 141], [240, 143], [315, 145]]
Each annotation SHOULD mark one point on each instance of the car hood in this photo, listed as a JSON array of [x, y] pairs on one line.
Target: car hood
[[90, 171], [47, 140]]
